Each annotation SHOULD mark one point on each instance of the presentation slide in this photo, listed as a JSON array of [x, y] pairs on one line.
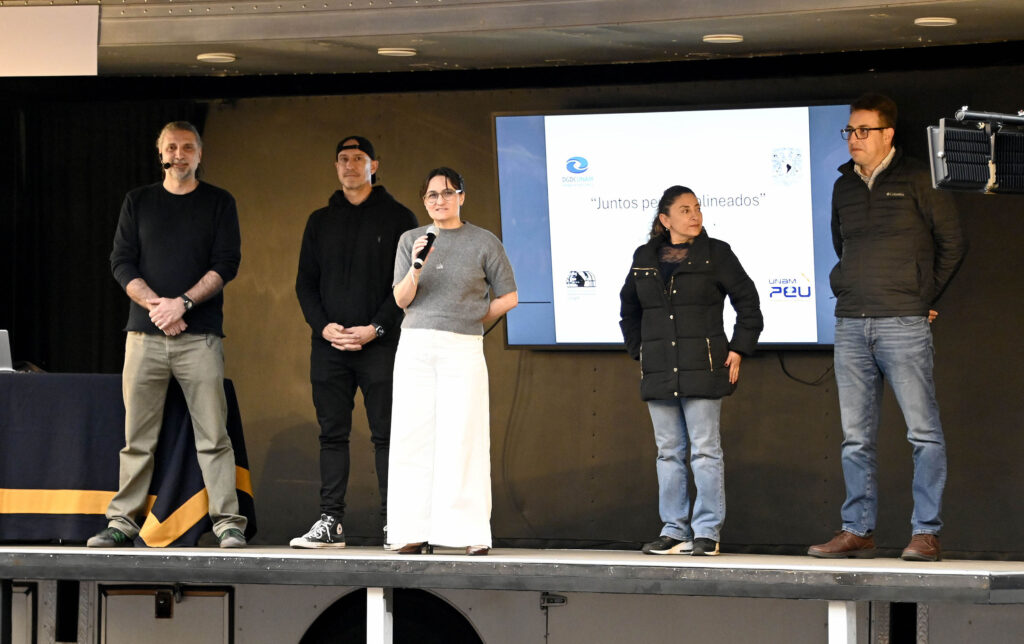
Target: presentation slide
[[579, 193]]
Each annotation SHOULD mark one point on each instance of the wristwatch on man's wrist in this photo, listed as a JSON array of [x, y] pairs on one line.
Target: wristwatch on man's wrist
[[188, 302], [378, 329]]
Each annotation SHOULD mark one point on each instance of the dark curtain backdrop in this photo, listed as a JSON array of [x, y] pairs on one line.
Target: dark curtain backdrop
[[65, 169]]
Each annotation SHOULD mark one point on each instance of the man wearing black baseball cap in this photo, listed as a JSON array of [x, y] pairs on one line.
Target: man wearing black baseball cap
[[344, 288]]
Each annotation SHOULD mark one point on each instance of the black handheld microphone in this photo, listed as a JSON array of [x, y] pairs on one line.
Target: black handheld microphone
[[422, 255], [166, 164]]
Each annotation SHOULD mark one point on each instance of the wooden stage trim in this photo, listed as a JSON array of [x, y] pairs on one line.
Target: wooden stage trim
[[594, 571]]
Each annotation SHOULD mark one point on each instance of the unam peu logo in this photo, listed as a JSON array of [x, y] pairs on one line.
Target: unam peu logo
[[788, 287], [790, 291], [577, 165]]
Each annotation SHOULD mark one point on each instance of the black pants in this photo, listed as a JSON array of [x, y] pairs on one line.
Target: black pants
[[335, 375]]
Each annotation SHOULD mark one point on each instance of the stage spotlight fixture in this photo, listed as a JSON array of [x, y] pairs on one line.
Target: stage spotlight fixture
[[978, 151]]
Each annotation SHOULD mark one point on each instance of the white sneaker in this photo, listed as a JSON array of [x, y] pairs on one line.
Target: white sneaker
[[390, 547]]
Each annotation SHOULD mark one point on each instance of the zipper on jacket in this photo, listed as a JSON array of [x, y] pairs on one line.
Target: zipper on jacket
[[711, 363]]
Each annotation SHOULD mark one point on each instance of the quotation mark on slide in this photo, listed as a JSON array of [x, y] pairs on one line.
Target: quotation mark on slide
[[577, 165]]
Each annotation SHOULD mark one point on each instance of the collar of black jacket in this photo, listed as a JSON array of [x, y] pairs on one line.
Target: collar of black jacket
[[699, 255]]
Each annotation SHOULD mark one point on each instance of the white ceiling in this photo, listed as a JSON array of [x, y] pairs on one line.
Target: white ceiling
[[163, 37]]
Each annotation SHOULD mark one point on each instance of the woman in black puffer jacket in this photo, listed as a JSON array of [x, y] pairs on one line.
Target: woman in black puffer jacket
[[671, 312]]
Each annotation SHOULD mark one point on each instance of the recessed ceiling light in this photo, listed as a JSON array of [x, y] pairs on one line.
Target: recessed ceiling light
[[396, 51], [934, 21], [217, 57], [720, 39]]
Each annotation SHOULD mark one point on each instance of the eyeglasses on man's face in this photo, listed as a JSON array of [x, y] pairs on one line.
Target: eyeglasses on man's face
[[858, 132], [445, 195]]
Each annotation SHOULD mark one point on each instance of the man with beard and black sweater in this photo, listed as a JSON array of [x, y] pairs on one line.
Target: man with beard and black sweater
[[177, 244], [344, 289]]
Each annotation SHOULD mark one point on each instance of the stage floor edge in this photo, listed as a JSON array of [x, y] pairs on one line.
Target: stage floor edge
[[590, 571]]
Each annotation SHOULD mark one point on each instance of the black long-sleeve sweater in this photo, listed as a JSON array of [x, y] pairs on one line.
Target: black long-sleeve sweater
[[171, 241], [346, 262]]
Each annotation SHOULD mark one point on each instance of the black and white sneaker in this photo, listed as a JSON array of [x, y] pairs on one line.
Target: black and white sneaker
[[325, 533], [703, 547], [667, 546]]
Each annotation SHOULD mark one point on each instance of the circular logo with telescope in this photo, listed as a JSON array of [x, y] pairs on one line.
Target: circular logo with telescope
[[577, 165]]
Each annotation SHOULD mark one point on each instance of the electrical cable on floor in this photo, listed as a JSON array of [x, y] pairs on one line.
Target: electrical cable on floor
[[811, 383]]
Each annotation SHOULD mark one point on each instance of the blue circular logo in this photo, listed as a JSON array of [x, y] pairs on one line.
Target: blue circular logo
[[577, 165]]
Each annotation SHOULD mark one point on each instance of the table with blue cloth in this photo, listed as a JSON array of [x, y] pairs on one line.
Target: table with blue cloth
[[60, 435]]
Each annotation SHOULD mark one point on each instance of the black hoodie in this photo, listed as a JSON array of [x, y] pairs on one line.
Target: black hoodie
[[347, 261]]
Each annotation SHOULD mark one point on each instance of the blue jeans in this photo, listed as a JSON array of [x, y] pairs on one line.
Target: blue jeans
[[683, 428], [898, 349]]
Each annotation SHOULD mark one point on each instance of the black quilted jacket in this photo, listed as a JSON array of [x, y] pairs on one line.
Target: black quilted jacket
[[899, 244], [677, 333]]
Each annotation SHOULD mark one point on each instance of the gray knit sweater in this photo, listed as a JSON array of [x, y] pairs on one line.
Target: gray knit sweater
[[466, 265]]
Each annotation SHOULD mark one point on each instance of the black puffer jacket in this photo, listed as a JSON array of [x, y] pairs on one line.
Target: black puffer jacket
[[899, 244], [677, 333]]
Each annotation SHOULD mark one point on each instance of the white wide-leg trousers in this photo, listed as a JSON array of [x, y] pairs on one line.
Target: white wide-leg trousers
[[439, 487]]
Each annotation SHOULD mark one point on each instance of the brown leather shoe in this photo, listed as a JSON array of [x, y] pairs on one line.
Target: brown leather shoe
[[923, 547], [843, 545], [477, 551], [416, 549]]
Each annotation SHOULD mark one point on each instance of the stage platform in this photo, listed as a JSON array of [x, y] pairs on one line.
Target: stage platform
[[588, 571]]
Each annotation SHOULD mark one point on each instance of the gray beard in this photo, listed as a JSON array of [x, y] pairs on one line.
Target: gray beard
[[181, 175]]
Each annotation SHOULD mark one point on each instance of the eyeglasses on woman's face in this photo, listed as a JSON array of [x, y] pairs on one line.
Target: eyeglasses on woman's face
[[445, 195]]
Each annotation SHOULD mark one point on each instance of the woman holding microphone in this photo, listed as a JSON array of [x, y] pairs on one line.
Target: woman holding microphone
[[439, 490]]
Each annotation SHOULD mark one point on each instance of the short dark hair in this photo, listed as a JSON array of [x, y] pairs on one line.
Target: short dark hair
[[452, 177], [667, 199], [885, 106], [183, 126]]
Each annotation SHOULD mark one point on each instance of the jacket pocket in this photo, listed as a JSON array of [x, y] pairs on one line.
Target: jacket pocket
[[655, 356], [835, 279], [649, 289], [907, 278]]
